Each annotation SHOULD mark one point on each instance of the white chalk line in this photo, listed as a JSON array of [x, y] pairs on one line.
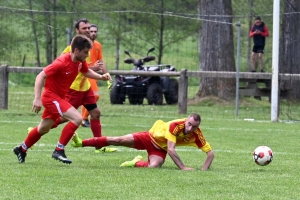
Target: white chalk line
[[41, 147], [202, 127]]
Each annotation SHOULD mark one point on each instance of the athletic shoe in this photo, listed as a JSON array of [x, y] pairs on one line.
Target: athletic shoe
[[132, 162], [61, 156], [85, 123], [28, 131], [262, 70], [106, 150], [77, 142], [20, 154]]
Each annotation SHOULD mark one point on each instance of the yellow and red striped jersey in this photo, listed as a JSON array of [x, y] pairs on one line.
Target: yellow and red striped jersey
[[162, 131]]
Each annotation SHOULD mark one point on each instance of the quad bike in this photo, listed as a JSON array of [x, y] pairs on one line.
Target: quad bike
[[150, 87]]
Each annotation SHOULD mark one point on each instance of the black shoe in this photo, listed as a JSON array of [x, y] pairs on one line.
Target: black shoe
[[20, 154], [262, 71], [61, 156], [85, 123], [253, 70]]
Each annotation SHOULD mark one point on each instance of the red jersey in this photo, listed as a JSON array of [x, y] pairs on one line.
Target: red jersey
[[61, 74]]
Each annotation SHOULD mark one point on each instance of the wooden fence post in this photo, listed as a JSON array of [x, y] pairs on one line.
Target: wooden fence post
[[3, 87], [182, 92]]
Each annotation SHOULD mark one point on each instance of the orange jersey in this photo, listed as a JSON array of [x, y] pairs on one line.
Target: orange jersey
[[161, 132], [95, 55], [81, 82]]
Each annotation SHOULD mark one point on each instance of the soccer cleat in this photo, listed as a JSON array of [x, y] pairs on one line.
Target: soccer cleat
[[61, 156], [85, 123], [28, 131], [20, 154], [106, 150], [77, 142], [132, 162]]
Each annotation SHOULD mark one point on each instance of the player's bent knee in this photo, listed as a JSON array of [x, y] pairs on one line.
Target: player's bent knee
[[95, 113], [155, 164]]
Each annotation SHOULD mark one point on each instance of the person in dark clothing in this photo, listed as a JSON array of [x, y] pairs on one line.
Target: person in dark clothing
[[259, 32]]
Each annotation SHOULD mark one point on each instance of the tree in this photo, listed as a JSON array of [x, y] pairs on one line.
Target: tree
[[35, 35], [289, 60], [217, 49], [48, 32]]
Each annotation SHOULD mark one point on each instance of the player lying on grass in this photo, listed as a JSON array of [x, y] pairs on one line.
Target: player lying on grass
[[159, 141]]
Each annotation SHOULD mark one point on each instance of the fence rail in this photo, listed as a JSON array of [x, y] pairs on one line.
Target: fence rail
[[183, 76]]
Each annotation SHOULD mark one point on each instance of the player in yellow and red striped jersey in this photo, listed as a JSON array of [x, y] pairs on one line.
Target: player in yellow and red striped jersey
[[159, 141]]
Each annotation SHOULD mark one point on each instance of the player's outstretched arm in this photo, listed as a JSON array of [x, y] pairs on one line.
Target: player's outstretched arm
[[173, 154], [91, 74], [208, 161]]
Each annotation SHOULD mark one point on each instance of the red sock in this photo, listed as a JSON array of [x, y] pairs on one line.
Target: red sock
[[66, 135], [96, 127], [141, 164], [56, 123], [98, 142], [31, 139]]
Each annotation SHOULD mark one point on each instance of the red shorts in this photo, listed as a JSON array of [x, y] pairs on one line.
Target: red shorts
[[78, 98], [142, 141], [54, 106]]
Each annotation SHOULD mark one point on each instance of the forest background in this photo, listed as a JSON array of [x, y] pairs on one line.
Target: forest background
[[192, 34]]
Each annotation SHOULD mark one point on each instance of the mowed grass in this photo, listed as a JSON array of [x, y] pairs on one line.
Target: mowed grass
[[233, 174]]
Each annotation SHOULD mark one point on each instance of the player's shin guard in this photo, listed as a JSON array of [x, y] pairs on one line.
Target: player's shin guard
[[67, 134], [98, 142], [32, 137], [96, 127]]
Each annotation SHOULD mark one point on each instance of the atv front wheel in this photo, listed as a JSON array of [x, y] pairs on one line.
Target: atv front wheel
[[155, 94], [172, 94], [116, 97]]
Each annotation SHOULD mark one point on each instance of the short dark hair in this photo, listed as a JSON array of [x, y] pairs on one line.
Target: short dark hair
[[81, 42], [94, 25], [84, 20], [196, 117], [257, 18]]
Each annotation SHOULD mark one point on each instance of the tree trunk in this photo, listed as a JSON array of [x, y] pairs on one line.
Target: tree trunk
[[217, 49], [289, 52], [118, 43], [250, 23], [35, 35], [161, 33], [48, 32], [55, 35]]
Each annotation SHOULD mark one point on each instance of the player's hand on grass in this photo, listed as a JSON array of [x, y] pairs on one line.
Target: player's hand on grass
[[37, 105], [187, 168]]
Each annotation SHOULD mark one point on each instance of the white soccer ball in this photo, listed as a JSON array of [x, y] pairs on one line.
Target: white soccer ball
[[263, 155]]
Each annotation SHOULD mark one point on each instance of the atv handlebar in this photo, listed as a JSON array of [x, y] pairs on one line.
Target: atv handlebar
[[149, 58], [129, 60]]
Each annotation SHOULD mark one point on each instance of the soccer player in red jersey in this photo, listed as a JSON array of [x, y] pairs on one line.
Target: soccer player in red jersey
[[81, 92], [159, 141], [58, 78]]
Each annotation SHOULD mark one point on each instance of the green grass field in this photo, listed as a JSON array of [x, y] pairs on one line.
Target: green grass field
[[233, 174]]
